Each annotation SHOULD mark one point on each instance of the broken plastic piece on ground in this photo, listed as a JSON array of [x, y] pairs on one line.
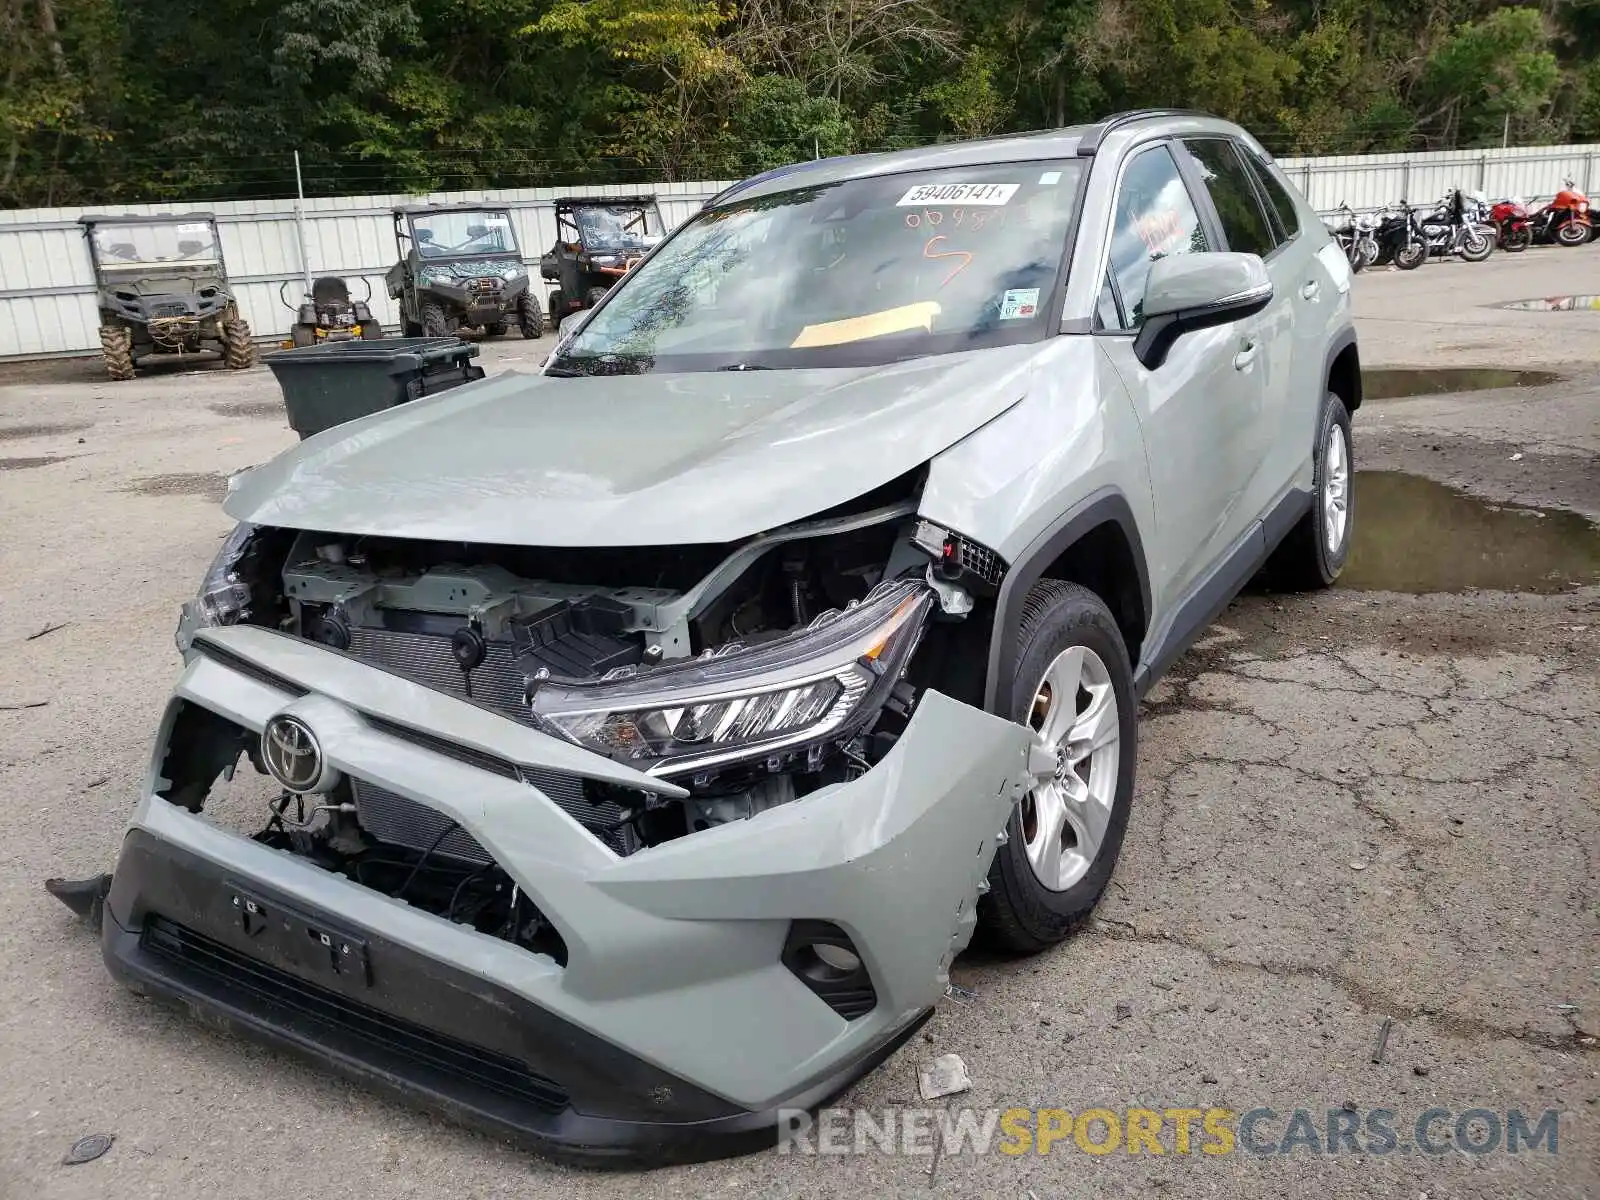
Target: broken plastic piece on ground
[[83, 896], [944, 1076], [960, 995], [87, 1149]]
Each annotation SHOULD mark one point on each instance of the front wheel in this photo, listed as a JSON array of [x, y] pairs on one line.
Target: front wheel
[[1477, 246], [116, 351], [529, 319], [238, 350], [1411, 256], [1369, 251], [1572, 233], [1314, 552], [1073, 686], [434, 322]]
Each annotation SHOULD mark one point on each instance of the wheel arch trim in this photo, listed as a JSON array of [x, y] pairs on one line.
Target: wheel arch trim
[[1106, 505]]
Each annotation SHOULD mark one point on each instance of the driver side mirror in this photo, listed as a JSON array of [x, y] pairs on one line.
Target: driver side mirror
[[1189, 292]]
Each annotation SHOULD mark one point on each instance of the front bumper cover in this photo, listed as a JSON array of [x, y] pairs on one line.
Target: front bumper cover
[[674, 1032]]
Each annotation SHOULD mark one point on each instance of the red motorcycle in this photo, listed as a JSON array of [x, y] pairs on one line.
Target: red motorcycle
[[1565, 219], [1514, 229]]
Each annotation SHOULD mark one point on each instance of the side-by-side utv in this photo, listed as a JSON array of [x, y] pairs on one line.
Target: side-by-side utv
[[460, 267], [598, 241], [162, 290]]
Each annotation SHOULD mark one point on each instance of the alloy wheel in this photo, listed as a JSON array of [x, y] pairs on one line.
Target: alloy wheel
[[1335, 489], [1064, 819]]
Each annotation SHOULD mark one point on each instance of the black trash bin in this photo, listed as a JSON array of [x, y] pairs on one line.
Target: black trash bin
[[327, 385]]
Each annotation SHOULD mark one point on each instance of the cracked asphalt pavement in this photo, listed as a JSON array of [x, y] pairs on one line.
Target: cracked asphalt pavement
[[1353, 808]]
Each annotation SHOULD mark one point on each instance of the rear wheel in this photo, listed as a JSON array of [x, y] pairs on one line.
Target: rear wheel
[[434, 323], [303, 335], [1314, 552], [371, 331], [116, 351], [238, 351], [1519, 239], [1073, 686], [529, 319]]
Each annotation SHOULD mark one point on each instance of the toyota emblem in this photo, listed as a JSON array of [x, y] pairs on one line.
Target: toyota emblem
[[291, 754]]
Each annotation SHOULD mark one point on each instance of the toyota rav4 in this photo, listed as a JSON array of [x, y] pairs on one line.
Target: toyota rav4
[[640, 741]]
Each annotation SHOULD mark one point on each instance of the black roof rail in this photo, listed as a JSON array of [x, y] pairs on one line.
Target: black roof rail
[[1090, 141]]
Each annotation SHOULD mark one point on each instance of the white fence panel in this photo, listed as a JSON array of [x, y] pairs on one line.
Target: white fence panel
[[47, 285]]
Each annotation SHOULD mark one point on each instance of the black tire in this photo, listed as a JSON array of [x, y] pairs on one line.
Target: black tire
[[1411, 256], [1019, 914], [1572, 233], [434, 322], [1518, 239], [116, 351], [530, 321], [238, 351], [303, 335], [594, 295], [1303, 561], [410, 329], [371, 331], [496, 329], [558, 309]]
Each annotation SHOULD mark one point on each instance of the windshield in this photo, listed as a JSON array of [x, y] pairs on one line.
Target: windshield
[[453, 234], [614, 228], [145, 245], [860, 272]]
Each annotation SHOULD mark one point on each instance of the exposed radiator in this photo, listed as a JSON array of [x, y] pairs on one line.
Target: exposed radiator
[[425, 657]]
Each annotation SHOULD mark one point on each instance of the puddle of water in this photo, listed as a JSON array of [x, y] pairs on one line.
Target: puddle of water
[[1391, 383], [1415, 535], [250, 408], [1557, 304], [27, 464], [212, 487], [15, 433]]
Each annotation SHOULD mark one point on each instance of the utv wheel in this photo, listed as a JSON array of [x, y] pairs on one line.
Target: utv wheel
[[434, 323], [496, 329], [238, 351], [1316, 549], [558, 309], [303, 335], [116, 350], [410, 329], [1074, 686], [529, 319], [594, 295]]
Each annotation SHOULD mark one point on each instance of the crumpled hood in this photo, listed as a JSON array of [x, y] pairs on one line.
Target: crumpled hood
[[632, 460]]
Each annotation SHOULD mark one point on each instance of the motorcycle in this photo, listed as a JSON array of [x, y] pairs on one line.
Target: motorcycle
[[1356, 237], [1452, 228], [1399, 238], [1565, 219], [1513, 229]]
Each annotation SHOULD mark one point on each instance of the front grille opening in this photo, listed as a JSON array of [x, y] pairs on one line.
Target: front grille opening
[[225, 973]]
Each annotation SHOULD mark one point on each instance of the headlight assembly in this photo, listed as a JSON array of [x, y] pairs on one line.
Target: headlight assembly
[[224, 597], [819, 684]]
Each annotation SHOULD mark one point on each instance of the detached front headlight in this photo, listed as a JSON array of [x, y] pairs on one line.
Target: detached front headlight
[[820, 684], [224, 597]]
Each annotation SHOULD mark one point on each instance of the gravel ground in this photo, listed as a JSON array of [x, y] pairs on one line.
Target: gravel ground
[[1353, 808]]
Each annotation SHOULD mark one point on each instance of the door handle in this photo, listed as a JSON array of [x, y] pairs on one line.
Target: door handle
[[1246, 355], [1310, 290]]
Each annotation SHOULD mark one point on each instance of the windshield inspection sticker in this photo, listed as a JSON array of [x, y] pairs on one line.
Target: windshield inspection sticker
[[958, 193], [1019, 303]]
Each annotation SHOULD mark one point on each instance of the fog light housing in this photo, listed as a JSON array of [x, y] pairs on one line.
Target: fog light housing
[[822, 956]]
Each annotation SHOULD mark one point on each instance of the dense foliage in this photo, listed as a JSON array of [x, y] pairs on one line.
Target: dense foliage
[[116, 100]]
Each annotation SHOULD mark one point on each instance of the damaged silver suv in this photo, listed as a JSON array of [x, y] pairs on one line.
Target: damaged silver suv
[[646, 737]]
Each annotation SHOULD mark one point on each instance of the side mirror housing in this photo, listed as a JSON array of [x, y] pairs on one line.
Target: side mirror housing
[[1197, 291]]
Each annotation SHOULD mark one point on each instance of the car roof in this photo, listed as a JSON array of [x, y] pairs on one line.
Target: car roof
[[1072, 141], [142, 218]]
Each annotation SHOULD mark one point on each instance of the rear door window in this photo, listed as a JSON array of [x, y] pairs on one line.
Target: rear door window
[[1233, 192], [1279, 201]]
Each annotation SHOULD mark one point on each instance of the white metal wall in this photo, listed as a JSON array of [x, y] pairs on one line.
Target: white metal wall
[[47, 295], [47, 285]]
